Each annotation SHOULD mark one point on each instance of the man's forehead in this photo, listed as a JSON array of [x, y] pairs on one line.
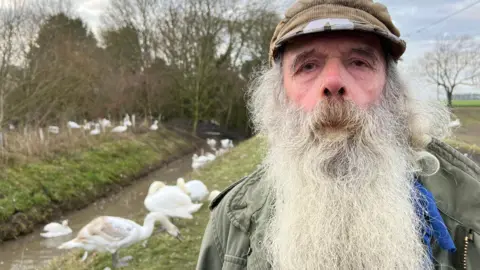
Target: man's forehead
[[343, 41]]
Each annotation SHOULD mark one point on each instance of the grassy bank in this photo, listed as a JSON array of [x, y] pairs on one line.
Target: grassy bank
[[164, 252], [35, 192]]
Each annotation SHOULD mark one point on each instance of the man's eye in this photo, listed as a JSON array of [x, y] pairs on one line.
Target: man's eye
[[308, 67], [360, 63]]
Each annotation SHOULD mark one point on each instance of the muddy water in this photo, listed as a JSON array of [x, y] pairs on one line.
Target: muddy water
[[32, 251]]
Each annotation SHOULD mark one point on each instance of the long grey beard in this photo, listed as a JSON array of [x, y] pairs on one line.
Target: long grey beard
[[358, 217], [344, 197]]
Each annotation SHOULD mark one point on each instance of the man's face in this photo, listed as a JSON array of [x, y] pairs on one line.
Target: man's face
[[337, 66]]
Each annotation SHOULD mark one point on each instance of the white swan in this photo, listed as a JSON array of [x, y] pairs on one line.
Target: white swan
[[199, 161], [170, 200], [210, 156], [120, 129], [55, 229], [105, 123], [156, 185], [109, 234], [196, 189], [127, 120], [212, 143], [213, 194], [95, 131], [154, 126], [86, 125], [226, 143], [73, 125]]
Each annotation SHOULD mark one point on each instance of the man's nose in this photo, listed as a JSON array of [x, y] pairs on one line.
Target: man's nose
[[333, 84]]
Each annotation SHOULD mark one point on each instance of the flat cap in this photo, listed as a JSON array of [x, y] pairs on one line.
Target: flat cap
[[315, 16]]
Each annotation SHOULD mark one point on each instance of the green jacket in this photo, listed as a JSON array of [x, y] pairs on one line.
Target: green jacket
[[235, 230]]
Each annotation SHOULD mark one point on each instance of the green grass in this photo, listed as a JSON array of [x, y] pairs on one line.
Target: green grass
[[163, 251], [466, 103], [34, 192]]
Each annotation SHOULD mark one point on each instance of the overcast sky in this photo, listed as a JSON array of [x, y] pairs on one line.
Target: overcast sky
[[416, 19]]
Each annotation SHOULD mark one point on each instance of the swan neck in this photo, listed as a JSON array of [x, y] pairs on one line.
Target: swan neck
[[148, 226], [183, 187]]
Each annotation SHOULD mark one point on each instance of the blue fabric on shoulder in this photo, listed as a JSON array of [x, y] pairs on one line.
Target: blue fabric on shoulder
[[435, 226]]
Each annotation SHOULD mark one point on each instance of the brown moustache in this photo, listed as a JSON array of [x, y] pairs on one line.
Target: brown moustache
[[337, 115]]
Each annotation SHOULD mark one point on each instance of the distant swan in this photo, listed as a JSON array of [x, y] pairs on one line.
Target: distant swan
[[196, 189], [55, 229], [154, 126], [121, 128]]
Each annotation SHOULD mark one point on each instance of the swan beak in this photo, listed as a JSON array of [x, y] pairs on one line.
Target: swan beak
[[179, 237]]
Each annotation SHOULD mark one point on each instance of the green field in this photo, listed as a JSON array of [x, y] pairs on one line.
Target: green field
[[163, 251], [466, 103]]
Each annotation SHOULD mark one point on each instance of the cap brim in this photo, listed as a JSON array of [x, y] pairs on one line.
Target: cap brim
[[397, 45]]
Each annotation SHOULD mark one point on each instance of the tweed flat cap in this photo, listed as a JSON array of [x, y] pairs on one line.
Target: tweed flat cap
[[315, 16]]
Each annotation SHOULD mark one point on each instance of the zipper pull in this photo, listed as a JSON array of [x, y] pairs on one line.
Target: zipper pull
[[470, 236]]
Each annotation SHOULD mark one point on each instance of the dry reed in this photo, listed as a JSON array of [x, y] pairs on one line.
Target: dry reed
[[32, 144]]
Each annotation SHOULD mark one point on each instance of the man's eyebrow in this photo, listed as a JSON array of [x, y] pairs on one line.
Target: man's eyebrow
[[301, 57], [365, 51]]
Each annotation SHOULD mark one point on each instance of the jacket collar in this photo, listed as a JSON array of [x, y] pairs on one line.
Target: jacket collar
[[246, 200]]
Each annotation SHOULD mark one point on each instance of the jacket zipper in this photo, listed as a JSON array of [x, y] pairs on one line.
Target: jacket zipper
[[468, 238]]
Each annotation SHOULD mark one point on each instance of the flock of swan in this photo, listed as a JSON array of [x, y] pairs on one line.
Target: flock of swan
[[97, 127], [163, 202], [102, 125], [205, 158]]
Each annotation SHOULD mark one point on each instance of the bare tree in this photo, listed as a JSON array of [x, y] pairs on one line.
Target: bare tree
[[204, 40], [44, 8], [141, 15], [54, 76], [12, 15], [453, 62]]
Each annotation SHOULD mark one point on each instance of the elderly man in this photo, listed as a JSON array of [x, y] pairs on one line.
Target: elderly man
[[355, 176]]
